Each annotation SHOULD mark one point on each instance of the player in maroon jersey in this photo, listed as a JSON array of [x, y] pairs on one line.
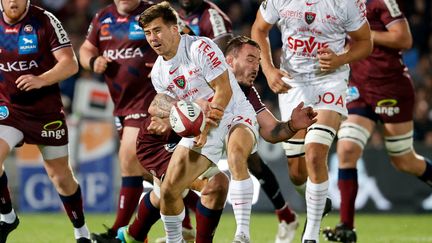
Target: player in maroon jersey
[[380, 91], [36, 55], [116, 47], [206, 19]]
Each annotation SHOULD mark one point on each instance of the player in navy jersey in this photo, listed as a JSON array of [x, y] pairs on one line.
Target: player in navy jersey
[[36, 55], [381, 91], [206, 19]]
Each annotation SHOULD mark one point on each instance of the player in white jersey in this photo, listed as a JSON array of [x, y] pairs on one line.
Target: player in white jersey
[[194, 69], [313, 70]]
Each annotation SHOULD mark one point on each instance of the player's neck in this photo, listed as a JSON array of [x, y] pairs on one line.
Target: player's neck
[[16, 20]]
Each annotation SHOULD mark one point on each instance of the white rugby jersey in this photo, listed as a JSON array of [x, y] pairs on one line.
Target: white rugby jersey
[[307, 25], [186, 76]]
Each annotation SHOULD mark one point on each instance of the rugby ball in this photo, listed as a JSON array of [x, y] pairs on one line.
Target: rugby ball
[[187, 119]]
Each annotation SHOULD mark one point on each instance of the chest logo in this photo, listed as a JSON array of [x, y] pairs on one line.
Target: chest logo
[[180, 82], [310, 17]]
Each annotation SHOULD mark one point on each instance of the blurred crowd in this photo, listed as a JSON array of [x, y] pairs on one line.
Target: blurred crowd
[[77, 14]]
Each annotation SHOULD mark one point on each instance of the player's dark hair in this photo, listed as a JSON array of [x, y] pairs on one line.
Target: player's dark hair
[[161, 10], [237, 42]]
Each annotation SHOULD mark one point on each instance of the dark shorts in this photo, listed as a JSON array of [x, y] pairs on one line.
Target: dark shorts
[[388, 102], [154, 151], [41, 129], [132, 120]]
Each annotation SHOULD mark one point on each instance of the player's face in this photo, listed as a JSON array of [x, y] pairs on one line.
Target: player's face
[[246, 64], [126, 6], [14, 10], [163, 38]]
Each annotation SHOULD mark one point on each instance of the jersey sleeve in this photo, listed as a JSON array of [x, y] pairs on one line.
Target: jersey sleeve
[[207, 55], [93, 30], [390, 12], [269, 11], [356, 15], [255, 100], [214, 25], [56, 34]]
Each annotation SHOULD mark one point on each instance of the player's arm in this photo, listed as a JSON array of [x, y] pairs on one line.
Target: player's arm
[[360, 48], [90, 59], [161, 105], [223, 93], [397, 36], [274, 131], [66, 66], [260, 32]]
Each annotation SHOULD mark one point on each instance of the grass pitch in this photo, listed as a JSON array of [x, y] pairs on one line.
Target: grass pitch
[[371, 228]]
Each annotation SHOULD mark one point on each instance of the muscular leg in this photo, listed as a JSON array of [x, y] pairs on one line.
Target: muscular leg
[[241, 188], [317, 142], [131, 176], [61, 175], [294, 150], [185, 166], [402, 155]]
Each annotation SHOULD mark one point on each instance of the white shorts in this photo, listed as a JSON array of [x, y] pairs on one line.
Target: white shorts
[[326, 94], [216, 140]]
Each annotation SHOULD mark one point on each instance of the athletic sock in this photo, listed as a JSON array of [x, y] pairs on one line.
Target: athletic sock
[[241, 194], [190, 200], [73, 206], [130, 192], [207, 222], [5, 199], [173, 226], [316, 195], [146, 217], [186, 223], [285, 214], [348, 187], [82, 232], [270, 185], [427, 174]]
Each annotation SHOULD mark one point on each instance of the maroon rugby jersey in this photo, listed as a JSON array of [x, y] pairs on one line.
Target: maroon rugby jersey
[[253, 97], [121, 39], [383, 63], [27, 48], [208, 20]]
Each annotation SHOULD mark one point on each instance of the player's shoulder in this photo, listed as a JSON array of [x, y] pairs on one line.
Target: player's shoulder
[[390, 6], [38, 12]]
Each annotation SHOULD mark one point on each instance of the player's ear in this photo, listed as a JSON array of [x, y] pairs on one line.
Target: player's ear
[[229, 59]]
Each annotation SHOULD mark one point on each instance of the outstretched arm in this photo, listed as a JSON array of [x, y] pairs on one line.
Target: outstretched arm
[[274, 131]]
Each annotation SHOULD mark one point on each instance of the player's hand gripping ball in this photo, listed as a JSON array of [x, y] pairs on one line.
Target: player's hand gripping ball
[[187, 119]]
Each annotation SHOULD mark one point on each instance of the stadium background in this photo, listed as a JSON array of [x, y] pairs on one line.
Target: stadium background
[[94, 144]]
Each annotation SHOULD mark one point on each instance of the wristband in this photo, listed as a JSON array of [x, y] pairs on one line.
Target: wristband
[[92, 62]]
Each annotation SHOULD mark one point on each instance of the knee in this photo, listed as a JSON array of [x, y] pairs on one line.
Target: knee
[[298, 177], [169, 193], [348, 153], [63, 181]]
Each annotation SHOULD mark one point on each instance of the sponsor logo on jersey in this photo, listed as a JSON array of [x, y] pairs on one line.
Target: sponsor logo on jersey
[[27, 44], [53, 130], [58, 28], [211, 54], [125, 53], [107, 21], [180, 82], [13, 30], [352, 94], [4, 112], [122, 19], [135, 31], [105, 33], [28, 28], [135, 116], [388, 107], [18, 66], [310, 17], [393, 8], [307, 48], [170, 147], [331, 99], [217, 22]]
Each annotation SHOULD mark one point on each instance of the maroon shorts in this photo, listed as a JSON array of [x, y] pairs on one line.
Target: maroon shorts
[[154, 151], [131, 120], [41, 129], [389, 101]]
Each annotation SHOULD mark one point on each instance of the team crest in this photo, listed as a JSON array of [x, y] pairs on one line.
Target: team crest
[[310, 17], [180, 82]]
